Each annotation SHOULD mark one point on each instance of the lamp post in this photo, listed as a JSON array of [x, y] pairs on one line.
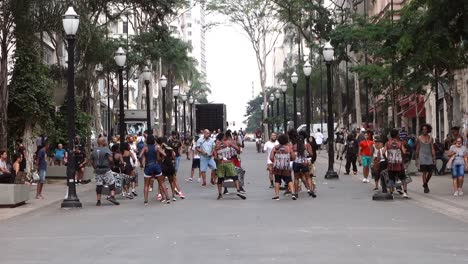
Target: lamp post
[[277, 96], [328, 53], [294, 79], [262, 107], [147, 77], [184, 98], [120, 58], [175, 93], [190, 100], [272, 102], [284, 88], [71, 21], [163, 82], [307, 71]]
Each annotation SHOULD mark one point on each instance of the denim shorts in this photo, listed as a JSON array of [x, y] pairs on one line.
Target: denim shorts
[[177, 163], [152, 170], [458, 171], [207, 162], [42, 175]]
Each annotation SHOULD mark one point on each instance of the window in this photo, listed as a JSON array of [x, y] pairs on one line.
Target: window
[[189, 25], [190, 33], [125, 27]]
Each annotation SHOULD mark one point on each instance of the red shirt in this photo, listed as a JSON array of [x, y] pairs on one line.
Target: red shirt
[[366, 146]]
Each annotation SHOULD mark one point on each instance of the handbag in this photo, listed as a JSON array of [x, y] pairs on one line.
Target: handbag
[[450, 162]]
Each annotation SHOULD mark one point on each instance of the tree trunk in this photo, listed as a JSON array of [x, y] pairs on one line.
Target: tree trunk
[[338, 92], [29, 144], [97, 110], [4, 95], [357, 100]]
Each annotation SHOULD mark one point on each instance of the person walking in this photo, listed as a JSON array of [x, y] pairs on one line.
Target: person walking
[[205, 146], [459, 153], [267, 148], [303, 151], [168, 168], [128, 158], [195, 163], [425, 155], [379, 162], [102, 161], [318, 139], [351, 149], [150, 155], [339, 145], [394, 150], [366, 151], [42, 168], [281, 156]]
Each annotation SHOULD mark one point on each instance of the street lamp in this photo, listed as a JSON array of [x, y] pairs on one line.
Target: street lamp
[[184, 98], [147, 78], [71, 21], [284, 88], [120, 58], [307, 71], [277, 96], [272, 102], [294, 80], [163, 82], [175, 93], [328, 53], [190, 100]]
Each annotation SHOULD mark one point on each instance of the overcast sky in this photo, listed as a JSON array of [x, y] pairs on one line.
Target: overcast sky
[[231, 69]]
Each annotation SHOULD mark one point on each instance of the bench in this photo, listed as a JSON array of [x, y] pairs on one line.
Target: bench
[[60, 172], [13, 195]]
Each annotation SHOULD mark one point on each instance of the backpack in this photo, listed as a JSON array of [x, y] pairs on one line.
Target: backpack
[[282, 159], [394, 156]]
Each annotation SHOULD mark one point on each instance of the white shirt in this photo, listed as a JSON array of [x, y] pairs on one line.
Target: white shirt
[[3, 165], [318, 138], [195, 153], [268, 147]]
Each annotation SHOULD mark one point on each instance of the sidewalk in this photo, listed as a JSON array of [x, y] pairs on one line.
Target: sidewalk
[[440, 198], [53, 193]]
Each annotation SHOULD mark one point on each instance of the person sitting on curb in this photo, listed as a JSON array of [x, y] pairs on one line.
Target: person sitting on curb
[[5, 175]]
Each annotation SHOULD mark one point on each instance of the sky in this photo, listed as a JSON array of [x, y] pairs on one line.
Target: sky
[[231, 69]]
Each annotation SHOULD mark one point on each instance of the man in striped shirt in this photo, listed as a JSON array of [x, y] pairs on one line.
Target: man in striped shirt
[[403, 134]]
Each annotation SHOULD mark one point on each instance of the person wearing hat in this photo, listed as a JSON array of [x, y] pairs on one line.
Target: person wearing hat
[[339, 145]]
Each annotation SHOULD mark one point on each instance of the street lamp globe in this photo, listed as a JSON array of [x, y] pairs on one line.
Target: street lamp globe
[[284, 87], [184, 97], [120, 57], [307, 69], [190, 100], [163, 81], [71, 21], [328, 52], [294, 78], [272, 97], [146, 73], [176, 91], [277, 94]]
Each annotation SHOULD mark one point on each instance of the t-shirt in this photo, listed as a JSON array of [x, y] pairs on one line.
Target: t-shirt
[[460, 153], [100, 159], [175, 144], [366, 146], [318, 138], [268, 147], [3, 166], [206, 145], [41, 157], [59, 153], [403, 135], [195, 153]]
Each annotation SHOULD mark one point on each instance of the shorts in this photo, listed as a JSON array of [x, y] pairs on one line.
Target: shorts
[[300, 167], [226, 170], [286, 179], [426, 168], [152, 170], [195, 163], [393, 175], [366, 161], [206, 163], [458, 171], [105, 179], [177, 163], [234, 178], [42, 176]]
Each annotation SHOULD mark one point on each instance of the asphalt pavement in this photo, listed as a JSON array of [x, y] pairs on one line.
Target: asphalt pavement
[[341, 225]]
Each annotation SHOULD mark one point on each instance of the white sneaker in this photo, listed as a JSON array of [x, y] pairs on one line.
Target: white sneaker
[[460, 192], [405, 195], [364, 180], [199, 180], [455, 193], [150, 189], [368, 180]]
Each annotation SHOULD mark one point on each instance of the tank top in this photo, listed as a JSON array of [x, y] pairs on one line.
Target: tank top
[[425, 152], [151, 155], [128, 164], [224, 153], [281, 165], [300, 157], [117, 165]]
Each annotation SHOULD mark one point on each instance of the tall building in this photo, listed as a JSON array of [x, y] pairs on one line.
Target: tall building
[[190, 27]]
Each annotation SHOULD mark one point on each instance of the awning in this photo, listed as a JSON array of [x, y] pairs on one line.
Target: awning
[[409, 109]]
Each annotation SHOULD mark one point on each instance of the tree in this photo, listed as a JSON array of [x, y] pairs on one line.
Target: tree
[[259, 21]]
